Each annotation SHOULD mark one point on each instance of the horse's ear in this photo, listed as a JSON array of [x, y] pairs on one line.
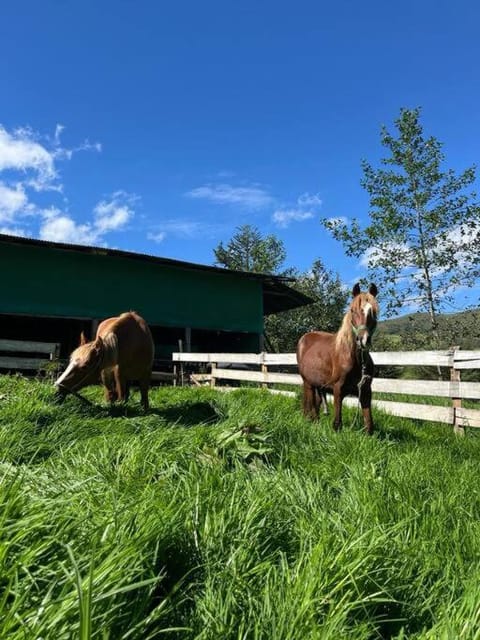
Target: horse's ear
[[83, 340], [356, 290], [373, 290]]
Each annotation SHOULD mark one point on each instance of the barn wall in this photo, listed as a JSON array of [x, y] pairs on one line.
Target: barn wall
[[55, 282]]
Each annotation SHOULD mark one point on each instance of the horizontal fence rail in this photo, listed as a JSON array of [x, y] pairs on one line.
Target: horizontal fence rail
[[28, 355], [241, 368]]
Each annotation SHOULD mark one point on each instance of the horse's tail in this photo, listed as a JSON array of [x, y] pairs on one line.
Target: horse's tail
[[300, 349]]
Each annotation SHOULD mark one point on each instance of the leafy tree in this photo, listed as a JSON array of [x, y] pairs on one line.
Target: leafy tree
[[283, 330], [421, 244], [249, 251]]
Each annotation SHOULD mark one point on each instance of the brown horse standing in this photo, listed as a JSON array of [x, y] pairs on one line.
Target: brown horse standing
[[122, 352], [341, 361]]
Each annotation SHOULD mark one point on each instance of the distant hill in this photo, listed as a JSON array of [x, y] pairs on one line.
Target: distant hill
[[413, 331]]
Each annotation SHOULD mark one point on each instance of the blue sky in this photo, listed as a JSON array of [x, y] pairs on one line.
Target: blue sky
[[161, 127]]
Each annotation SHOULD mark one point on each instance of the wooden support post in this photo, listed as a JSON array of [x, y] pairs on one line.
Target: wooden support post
[[55, 354], [265, 371], [261, 342], [213, 380], [458, 428], [180, 348]]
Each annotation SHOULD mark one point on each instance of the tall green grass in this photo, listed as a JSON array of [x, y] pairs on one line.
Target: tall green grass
[[223, 516]]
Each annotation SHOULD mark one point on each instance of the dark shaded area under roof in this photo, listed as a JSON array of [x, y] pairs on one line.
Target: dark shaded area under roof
[[277, 295]]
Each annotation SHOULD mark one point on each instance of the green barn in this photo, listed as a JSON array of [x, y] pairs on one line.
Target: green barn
[[52, 291]]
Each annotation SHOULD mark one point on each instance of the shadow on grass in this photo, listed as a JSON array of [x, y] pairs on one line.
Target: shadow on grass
[[186, 414], [395, 434]]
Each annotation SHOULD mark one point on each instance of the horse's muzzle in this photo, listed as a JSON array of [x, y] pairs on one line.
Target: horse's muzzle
[[60, 394]]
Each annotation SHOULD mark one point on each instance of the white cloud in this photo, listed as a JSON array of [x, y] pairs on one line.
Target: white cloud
[[309, 200], [157, 237], [256, 198], [12, 200], [305, 208], [114, 214], [29, 165], [109, 215], [58, 132], [283, 217], [182, 229], [247, 197], [370, 257], [374, 255], [461, 237], [14, 231], [63, 228], [19, 151], [186, 228]]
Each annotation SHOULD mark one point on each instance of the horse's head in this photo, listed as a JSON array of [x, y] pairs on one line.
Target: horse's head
[[83, 367], [364, 312]]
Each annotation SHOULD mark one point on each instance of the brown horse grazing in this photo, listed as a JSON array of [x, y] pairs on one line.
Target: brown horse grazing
[[122, 352], [341, 361]]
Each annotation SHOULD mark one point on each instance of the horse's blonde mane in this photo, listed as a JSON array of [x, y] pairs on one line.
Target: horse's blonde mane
[[344, 337], [110, 344], [109, 348], [82, 351]]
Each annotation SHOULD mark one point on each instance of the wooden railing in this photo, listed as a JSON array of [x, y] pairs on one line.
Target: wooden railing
[[27, 355], [228, 366]]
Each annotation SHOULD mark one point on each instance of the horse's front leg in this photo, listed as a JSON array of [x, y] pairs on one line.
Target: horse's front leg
[[365, 396], [337, 405]]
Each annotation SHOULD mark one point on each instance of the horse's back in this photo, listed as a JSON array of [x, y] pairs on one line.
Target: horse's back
[[313, 341], [135, 342]]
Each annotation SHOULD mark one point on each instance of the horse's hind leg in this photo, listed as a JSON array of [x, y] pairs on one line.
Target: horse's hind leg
[[310, 406], [144, 384], [120, 384], [108, 381], [365, 397], [322, 397]]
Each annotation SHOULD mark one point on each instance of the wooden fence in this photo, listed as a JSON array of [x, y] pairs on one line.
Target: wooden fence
[[228, 366], [27, 355]]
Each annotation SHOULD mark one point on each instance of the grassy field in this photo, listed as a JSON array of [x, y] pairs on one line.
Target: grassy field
[[228, 516]]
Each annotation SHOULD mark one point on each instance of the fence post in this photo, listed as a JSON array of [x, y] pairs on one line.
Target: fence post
[[264, 370], [180, 348], [458, 428], [212, 373]]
